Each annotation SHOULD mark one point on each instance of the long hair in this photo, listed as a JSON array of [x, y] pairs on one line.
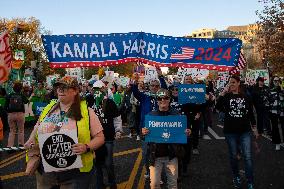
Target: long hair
[[75, 110]]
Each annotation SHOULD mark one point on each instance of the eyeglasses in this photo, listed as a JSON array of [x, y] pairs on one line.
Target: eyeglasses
[[174, 89], [155, 86], [164, 97]]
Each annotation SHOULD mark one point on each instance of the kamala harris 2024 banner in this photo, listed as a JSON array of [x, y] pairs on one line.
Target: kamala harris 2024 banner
[[89, 50]]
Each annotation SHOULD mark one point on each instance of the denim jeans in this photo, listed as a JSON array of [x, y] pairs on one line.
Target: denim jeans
[[171, 170], [145, 155], [108, 164], [244, 140]]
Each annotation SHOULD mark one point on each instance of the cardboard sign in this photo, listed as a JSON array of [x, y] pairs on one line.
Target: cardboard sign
[[150, 74], [166, 129], [56, 153], [191, 93]]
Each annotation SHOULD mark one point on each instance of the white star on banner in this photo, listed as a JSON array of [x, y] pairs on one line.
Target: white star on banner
[[96, 35], [78, 35], [70, 35], [103, 35], [90, 35]]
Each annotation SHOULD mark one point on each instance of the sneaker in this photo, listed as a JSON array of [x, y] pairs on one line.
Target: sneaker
[[277, 147], [130, 135], [138, 137], [250, 186], [237, 182], [195, 152]]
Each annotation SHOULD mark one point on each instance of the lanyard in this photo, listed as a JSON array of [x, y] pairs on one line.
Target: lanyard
[[60, 123]]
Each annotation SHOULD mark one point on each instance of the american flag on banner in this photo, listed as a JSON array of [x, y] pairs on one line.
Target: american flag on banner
[[5, 57], [183, 53], [241, 64]]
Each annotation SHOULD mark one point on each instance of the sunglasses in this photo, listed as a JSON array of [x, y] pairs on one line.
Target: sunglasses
[[164, 97]]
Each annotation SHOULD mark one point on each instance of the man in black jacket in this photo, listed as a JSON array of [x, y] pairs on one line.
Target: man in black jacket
[[260, 94]]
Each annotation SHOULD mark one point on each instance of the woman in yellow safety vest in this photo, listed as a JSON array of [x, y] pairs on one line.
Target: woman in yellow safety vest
[[66, 115]]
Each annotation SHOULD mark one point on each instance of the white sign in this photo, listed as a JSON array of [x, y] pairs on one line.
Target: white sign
[[196, 73], [252, 75], [124, 81], [56, 152], [223, 78], [109, 76], [95, 77], [51, 78], [150, 74]]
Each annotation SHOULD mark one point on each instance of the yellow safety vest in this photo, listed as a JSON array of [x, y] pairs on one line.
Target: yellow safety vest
[[84, 134]]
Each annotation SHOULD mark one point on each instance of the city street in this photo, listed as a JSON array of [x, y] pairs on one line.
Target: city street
[[209, 170]]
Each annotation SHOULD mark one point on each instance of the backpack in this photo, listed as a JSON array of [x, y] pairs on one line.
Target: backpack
[[16, 103]]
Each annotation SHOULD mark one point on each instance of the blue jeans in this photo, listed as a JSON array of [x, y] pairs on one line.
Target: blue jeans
[[145, 155], [244, 141], [108, 163]]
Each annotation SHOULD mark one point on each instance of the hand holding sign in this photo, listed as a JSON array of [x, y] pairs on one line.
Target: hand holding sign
[[79, 148], [145, 131]]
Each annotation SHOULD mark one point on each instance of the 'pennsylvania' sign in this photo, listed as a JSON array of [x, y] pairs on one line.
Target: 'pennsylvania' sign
[[88, 50], [166, 129], [191, 93]]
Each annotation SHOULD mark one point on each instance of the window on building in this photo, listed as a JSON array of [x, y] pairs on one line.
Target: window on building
[[199, 35], [208, 33], [194, 35]]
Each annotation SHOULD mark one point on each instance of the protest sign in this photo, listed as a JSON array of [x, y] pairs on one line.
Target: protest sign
[[223, 78], [195, 73], [50, 79], [56, 153], [5, 57], [166, 129], [88, 50], [109, 76], [252, 75], [124, 81], [150, 74], [39, 106], [191, 93]]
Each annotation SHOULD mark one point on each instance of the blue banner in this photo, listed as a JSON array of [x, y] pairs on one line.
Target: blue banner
[[88, 50], [166, 129], [39, 106], [191, 93]]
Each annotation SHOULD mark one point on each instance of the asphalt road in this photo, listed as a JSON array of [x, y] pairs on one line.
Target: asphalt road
[[209, 170]]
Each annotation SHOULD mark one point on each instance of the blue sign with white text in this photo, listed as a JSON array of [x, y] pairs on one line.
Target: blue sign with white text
[[191, 93], [89, 50], [39, 106], [166, 129]]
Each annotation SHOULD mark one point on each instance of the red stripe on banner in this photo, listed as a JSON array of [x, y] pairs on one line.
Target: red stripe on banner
[[141, 60]]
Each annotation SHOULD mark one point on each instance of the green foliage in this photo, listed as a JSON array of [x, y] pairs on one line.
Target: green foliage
[[271, 34]]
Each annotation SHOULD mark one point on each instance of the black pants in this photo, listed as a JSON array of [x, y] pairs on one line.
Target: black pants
[[263, 120], [195, 127], [275, 119]]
